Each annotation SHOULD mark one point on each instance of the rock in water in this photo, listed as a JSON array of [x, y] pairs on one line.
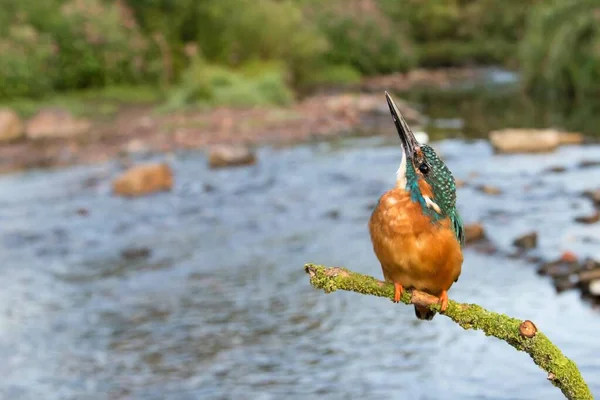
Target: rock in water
[[11, 127], [593, 195], [562, 267], [570, 138], [474, 232], [527, 241], [489, 189], [228, 156], [568, 257], [135, 253], [589, 163], [589, 275], [594, 287], [563, 283], [557, 169], [54, 123], [531, 140], [588, 219], [144, 179]]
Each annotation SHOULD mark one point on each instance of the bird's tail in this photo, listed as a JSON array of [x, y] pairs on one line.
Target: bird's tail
[[424, 313]]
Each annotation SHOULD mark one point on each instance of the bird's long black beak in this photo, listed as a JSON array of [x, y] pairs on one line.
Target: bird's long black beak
[[409, 143]]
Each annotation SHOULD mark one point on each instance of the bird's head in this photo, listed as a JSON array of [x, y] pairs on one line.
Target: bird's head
[[422, 173]]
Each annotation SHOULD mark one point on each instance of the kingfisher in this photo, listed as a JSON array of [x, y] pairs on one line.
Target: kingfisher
[[416, 230]]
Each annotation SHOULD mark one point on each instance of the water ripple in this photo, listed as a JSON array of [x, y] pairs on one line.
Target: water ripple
[[200, 293]]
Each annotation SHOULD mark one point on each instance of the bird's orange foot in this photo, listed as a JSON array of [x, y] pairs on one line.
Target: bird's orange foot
[[444, 301], [398, 289]]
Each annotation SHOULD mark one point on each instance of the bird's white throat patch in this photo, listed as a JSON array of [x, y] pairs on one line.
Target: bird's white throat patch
[[431, 204]]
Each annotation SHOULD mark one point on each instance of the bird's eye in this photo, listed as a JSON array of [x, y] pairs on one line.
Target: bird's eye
[[424, 168]]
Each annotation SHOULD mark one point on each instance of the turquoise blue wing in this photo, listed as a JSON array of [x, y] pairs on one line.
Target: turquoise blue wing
[[457, 227]]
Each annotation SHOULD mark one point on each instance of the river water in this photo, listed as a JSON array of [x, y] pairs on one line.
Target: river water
[[220, 307]]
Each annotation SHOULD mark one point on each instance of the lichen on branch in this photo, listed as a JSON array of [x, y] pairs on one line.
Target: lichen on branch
[[522, 335]]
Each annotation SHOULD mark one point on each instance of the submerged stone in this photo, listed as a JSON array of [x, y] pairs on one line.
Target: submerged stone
[[588, 219], [229, 156], [144, 179], [474, 232], [531, 140], [527, 241]]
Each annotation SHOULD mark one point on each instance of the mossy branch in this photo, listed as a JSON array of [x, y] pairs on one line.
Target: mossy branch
[[522, 335]]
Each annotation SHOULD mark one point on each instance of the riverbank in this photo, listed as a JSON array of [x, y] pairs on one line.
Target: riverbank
[[125, 122], [138, 129], [109, 131]]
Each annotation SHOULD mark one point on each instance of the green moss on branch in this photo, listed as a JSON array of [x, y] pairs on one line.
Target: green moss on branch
[[562, 372]]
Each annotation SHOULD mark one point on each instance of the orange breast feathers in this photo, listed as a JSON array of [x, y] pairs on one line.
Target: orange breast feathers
[[414, 251]]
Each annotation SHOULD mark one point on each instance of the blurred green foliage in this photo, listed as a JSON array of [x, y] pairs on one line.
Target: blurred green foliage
[[204, 84], [462, 32], [96, 103], [69, 44], [361, 36], [201, 52], [26, 61], [561, 51]]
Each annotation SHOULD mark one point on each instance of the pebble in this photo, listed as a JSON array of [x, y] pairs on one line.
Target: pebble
[[527, 241]]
